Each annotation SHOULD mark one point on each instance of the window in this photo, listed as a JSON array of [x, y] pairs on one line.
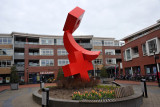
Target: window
[[97, 50], [62, 62], [116, 43], [59, 41], [135, 50], [152, 45], [47, 51], [7, 52], [97, 42], [5, 40], [98, 61], [47, 41], [128, 54], [62, 52], [108, 43], [110, 61], [5, 63], [47, 62], [144, 49], [109, 52]]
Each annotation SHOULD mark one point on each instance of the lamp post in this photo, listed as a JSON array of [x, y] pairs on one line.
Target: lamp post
[[27, 75], [155, 58]]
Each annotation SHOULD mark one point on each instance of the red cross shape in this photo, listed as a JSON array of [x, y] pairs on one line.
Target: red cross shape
[[77, 66]]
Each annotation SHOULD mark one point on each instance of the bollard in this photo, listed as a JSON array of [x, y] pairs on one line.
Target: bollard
[[144, 87], [41, 84], [45, 97]]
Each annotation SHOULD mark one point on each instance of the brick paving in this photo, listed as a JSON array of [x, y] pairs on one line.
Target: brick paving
[[136, 82], [26, 86], [21, 97]]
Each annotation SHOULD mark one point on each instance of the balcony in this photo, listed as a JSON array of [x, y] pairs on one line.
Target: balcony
[[20, 68], [19, 44], [86, 45], [18, 55]]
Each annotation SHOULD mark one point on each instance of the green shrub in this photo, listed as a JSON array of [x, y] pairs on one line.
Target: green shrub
[[14, 75], [103, 73], [60, 74]]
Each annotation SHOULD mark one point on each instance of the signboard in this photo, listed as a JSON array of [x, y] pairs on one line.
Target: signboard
[[46, 72], [1, 80], [7, 79]]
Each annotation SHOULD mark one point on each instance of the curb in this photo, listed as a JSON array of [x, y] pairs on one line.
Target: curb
[[135, 100]]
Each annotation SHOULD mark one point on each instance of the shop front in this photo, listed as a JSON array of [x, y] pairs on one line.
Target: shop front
[[4, 78]]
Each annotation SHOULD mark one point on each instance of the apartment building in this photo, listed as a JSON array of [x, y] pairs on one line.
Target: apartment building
[[138, 51], [42, 55]]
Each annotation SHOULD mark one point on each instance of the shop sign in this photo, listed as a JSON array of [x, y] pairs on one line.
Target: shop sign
[[7, 79], [1, 80], [46, 72]]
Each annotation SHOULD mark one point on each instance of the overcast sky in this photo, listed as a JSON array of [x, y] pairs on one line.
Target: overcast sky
[[102, 18]]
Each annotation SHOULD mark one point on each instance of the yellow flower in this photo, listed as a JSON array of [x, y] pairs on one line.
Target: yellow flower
[[86, 92], [93, 91], [79, 93]]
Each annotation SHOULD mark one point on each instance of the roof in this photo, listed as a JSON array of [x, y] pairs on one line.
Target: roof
[[141, 31], [55, 36]]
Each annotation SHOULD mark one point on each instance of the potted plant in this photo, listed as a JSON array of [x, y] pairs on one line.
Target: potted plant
[[103, 74], [14, 78]]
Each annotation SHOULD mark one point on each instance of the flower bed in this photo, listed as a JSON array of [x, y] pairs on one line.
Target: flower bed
[[93, 95]]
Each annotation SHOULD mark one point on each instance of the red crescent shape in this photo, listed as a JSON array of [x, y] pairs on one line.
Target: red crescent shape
[[71, 46]]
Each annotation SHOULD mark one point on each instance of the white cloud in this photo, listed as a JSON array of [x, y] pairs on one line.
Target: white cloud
[[104, 18]]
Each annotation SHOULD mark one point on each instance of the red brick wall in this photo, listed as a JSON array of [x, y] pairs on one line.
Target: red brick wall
[[141, 60], [109, 56], [41, 68]]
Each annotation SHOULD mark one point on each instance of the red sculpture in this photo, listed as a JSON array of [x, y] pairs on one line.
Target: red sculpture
[[79, 58]]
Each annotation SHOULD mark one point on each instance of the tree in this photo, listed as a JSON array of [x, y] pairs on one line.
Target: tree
[[60, 74], [103, 73], [14, 75]]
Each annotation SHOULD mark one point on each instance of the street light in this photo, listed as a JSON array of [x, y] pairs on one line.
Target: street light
[[155, 58], [27, 75]]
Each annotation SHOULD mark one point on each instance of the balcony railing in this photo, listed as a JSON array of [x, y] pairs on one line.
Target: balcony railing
[[20, 42], [86, 45], [34, 54], [34, 64]]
